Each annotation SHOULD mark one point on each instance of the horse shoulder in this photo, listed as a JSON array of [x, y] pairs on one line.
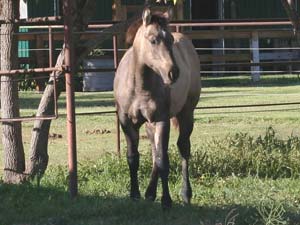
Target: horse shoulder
[[123, 79]]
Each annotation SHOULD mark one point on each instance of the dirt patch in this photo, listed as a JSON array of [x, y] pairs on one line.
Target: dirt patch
[[55, 136], [144, 137], [98, 131]]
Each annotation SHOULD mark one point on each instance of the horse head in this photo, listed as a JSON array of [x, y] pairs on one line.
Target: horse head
[[153, 44]]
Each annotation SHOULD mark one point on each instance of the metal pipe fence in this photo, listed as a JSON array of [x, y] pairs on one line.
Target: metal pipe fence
[[54, 22], [39, 23], [201, 23], [68, 69]]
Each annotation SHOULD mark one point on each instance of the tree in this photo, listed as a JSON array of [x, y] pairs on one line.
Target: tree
[[14, 161]]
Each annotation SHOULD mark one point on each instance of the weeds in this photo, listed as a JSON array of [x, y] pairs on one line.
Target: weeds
[[242, 155], [225, 192]]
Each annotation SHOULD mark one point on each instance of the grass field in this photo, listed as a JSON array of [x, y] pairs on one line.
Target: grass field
[[243, 171]]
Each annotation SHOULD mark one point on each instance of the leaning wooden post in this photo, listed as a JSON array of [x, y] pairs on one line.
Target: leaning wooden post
[[254, 45]]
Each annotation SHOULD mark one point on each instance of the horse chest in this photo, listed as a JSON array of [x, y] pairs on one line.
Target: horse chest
[[142, 109]]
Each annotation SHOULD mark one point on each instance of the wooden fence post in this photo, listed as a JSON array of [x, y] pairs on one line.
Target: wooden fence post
[[254, 45]]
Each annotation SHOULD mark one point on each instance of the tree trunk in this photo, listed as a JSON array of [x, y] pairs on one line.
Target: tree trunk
[[14, 160]]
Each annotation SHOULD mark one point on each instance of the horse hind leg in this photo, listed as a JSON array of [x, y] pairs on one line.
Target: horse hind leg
[[151, 190], [185, 123]]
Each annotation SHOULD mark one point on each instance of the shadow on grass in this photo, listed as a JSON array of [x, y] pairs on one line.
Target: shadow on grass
[[28, 204], [31, 205]]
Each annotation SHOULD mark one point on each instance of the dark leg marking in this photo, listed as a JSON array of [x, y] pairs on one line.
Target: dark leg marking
[[185, 121], [131, 132]]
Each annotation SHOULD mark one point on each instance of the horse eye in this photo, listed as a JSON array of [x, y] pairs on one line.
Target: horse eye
[[154, 41]]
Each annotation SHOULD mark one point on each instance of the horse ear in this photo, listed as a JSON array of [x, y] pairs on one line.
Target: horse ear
[[146, 16], [169, 14]]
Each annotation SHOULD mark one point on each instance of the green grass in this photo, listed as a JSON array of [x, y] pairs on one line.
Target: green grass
[[104, 185], [244, 170]]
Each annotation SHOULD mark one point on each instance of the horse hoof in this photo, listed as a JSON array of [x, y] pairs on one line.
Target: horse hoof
[[150, 195], [135, 196], [186, 200], [166, 203], [186, 194]]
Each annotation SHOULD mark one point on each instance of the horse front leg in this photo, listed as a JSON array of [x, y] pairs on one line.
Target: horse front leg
[[161, 139], [150, 193], [132, 138]]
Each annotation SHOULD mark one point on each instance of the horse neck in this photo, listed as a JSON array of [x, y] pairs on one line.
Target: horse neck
[[141, 72]]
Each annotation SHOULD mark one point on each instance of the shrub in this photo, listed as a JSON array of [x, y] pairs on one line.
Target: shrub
[[243, 155]]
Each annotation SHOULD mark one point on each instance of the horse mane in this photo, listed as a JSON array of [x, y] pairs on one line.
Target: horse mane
[[156, 18], [132, 30]]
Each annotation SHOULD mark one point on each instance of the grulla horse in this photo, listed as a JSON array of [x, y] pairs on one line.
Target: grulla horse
[[158, 79]]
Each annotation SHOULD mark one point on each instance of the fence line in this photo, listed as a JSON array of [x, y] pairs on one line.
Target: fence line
[[198, 108], [239, 49], [248, 71]]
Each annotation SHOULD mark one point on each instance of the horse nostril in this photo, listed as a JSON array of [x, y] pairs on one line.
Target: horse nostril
[[170, 75], [173, 74]]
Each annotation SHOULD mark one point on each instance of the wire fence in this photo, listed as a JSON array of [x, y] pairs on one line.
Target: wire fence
[[204, 108]]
